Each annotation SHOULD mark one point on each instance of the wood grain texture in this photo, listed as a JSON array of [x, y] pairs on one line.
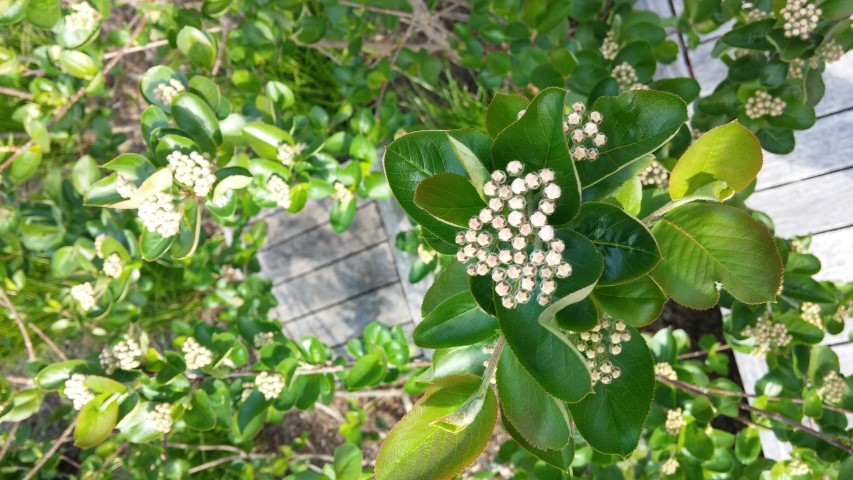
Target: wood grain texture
[[283, 225], [838, 79], [835, 251]]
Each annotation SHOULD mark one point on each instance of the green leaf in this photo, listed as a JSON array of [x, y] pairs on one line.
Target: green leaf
[[132, 166], [265, 139], [26, 164], [450, 281], [638, 302], [200, 416], [136, 426], [560, 459], [196, 118], [533, 413], [418, 450], [197, 46], [747, 445], [750, 36], [611, 419], [22, 405], [186, 241], [628, 247], [368, 370], [53, 377], [470, 147], [78, 64], [342, 214], [706, 243], [538, 141], [449, 197], [84, 174], [252, 413], [348, 458], [457, 321], [96, 421], [43, 13], [502, 111], [636, 123], [153, 245]]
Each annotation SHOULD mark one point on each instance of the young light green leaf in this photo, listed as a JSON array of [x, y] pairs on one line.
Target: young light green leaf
[[367, 371], [96, 421], [455, 322], [197, 47], [638, 302]]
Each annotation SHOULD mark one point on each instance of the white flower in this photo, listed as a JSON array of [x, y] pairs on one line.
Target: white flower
[[84, 294], [655, 175], [665, 370], [674, 421], [830, 51], [755, 15], [546, 233], [99, 245], [833, 389], [126, 355], [113, 265], [287, 152], [768, 336], [280, 191], [625, 75], [196, 356], [810, 312], [161, 417], [669, 467], [797, 467], [83, 18], [77, 391], [609, 47], [342, 193], [762, 103], [801, 18], [159, 214], [124, 187], [166, 92], [270, 384], [194, 171], [514, 168], [598, 345], [425, 254], [262, 339], [552, 191]]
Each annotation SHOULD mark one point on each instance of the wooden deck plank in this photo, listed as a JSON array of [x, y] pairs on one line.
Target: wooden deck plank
[[283, 225], [835, 250], [815, 205], [838, 79]]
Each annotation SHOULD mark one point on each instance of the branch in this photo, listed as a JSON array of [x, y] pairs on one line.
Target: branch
[[16, 93], [702, 353], [48, 341], [369, 8], [18, 320], [9, 439], [53, 448]]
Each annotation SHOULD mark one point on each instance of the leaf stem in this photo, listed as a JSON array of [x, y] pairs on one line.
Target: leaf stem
[[657, 214], [20, 322]]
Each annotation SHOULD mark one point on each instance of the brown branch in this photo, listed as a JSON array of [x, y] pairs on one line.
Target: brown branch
[[702, 353], [53, 448], [222, 45], [8, 442], [20, 322], [16, 93], [53, 346], [369, 8], [57, 116]]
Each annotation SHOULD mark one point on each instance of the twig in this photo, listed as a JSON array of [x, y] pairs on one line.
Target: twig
[[369, 8], [372, 394], [82, 91], [206, 448], [704, 391], [48, 341], [394, 57], [19, 321], [53, 448], [330, 412], [702, 353], [8, 442], [220, 461], [222, 44], [16, 93]]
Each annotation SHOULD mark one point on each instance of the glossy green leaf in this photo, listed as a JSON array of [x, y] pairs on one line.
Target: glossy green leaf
[[153, 245], [252, 413], [560, 459], [189, 232], [449, 197], [84, 174], [43, 13], [706, 243], [457, 321], [628, 247], [348, 458], [197, 46], [611, 419], [200, 416], [747, 445], [638, 302], [450, 281], [729, 153], [195, 117], [418, 450], [52, 377], [22, 405], [502, 111], [265, 139], [367, 371], [78, 64], [96, 421]]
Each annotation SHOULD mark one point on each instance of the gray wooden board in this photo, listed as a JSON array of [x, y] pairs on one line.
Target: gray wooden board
[[838, 79], [835, 250]]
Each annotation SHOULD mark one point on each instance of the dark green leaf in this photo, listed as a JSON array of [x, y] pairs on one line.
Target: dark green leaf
[[449, 197]]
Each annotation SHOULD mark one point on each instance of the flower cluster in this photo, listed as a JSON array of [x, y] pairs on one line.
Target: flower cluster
[[124, 187], [262, 339], [498, 238], [655, 175], [798, 467], [584, 131], [287, 152], [194, 171], [84, 18], [161, 417], [830, 51], [598, 345], [125, 355], [159, 214], [77, 391], [195, 354], [270, 384], [280, 191], [833, 389], [626, 77], [841, 314], [795, 68], [99, 245], [762, 103], [166, 92], [426, 254], [768, 336], [756, 15], [810, 312], [342, 193], [669, 467], [674, 421], [609, 47], [664, 369], [84, 294], [113, 265], [801, 18]]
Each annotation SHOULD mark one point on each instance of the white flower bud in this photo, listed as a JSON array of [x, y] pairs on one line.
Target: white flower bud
[[505, 256], [161, 417], [519, 257], [486, 215], [471, 236], [552, 191], [528, 270], [596, 117], [515, 168], [519, 186], [579, 153], [490, 189], [546, 233], [515, 218], [196, 356], [519, 242], [498, 176], [471, 270], [548, 286], [592, 154], [84, 294], [504, 192], [505, 234], [537, 257], [484, 239], [522, 297], [538, 219], [546, 272], [77, 391], [496, 204], [564, 270], [502, 289], [508, 302], [517, 203], [547, 175], [543, 299], [499, 222], [574, 119], [498, 275], [525, 229], [513, 272], [482, 269], [546, 206], [553, 258], [492, 260], [460, 238], [578, 107], [578, 135], [270, 384], [528, 283]]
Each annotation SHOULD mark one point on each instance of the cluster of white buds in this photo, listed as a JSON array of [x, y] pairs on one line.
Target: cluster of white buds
[[768, 336], [598, 345], [664, 369], [84, 17], [262, 339], [280, 191], [609, 47], [159, 214], [669, 467], [841, 314], [113, 265], [795, 68], [674, 421], [833, 389], [626, 77], [426, 254], [810, 312], [798, 467], [161, 417], [99, 245], [801, 18], [84, 295], [830, 51], [124, 187], [655, 175], [270, 384], [342, 193], [288, 152], [77, 391], [584, 132], [756, 15], [498, 238], [126, 355], [194, 171], [762, 103], [166, 92], [196, 355]]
